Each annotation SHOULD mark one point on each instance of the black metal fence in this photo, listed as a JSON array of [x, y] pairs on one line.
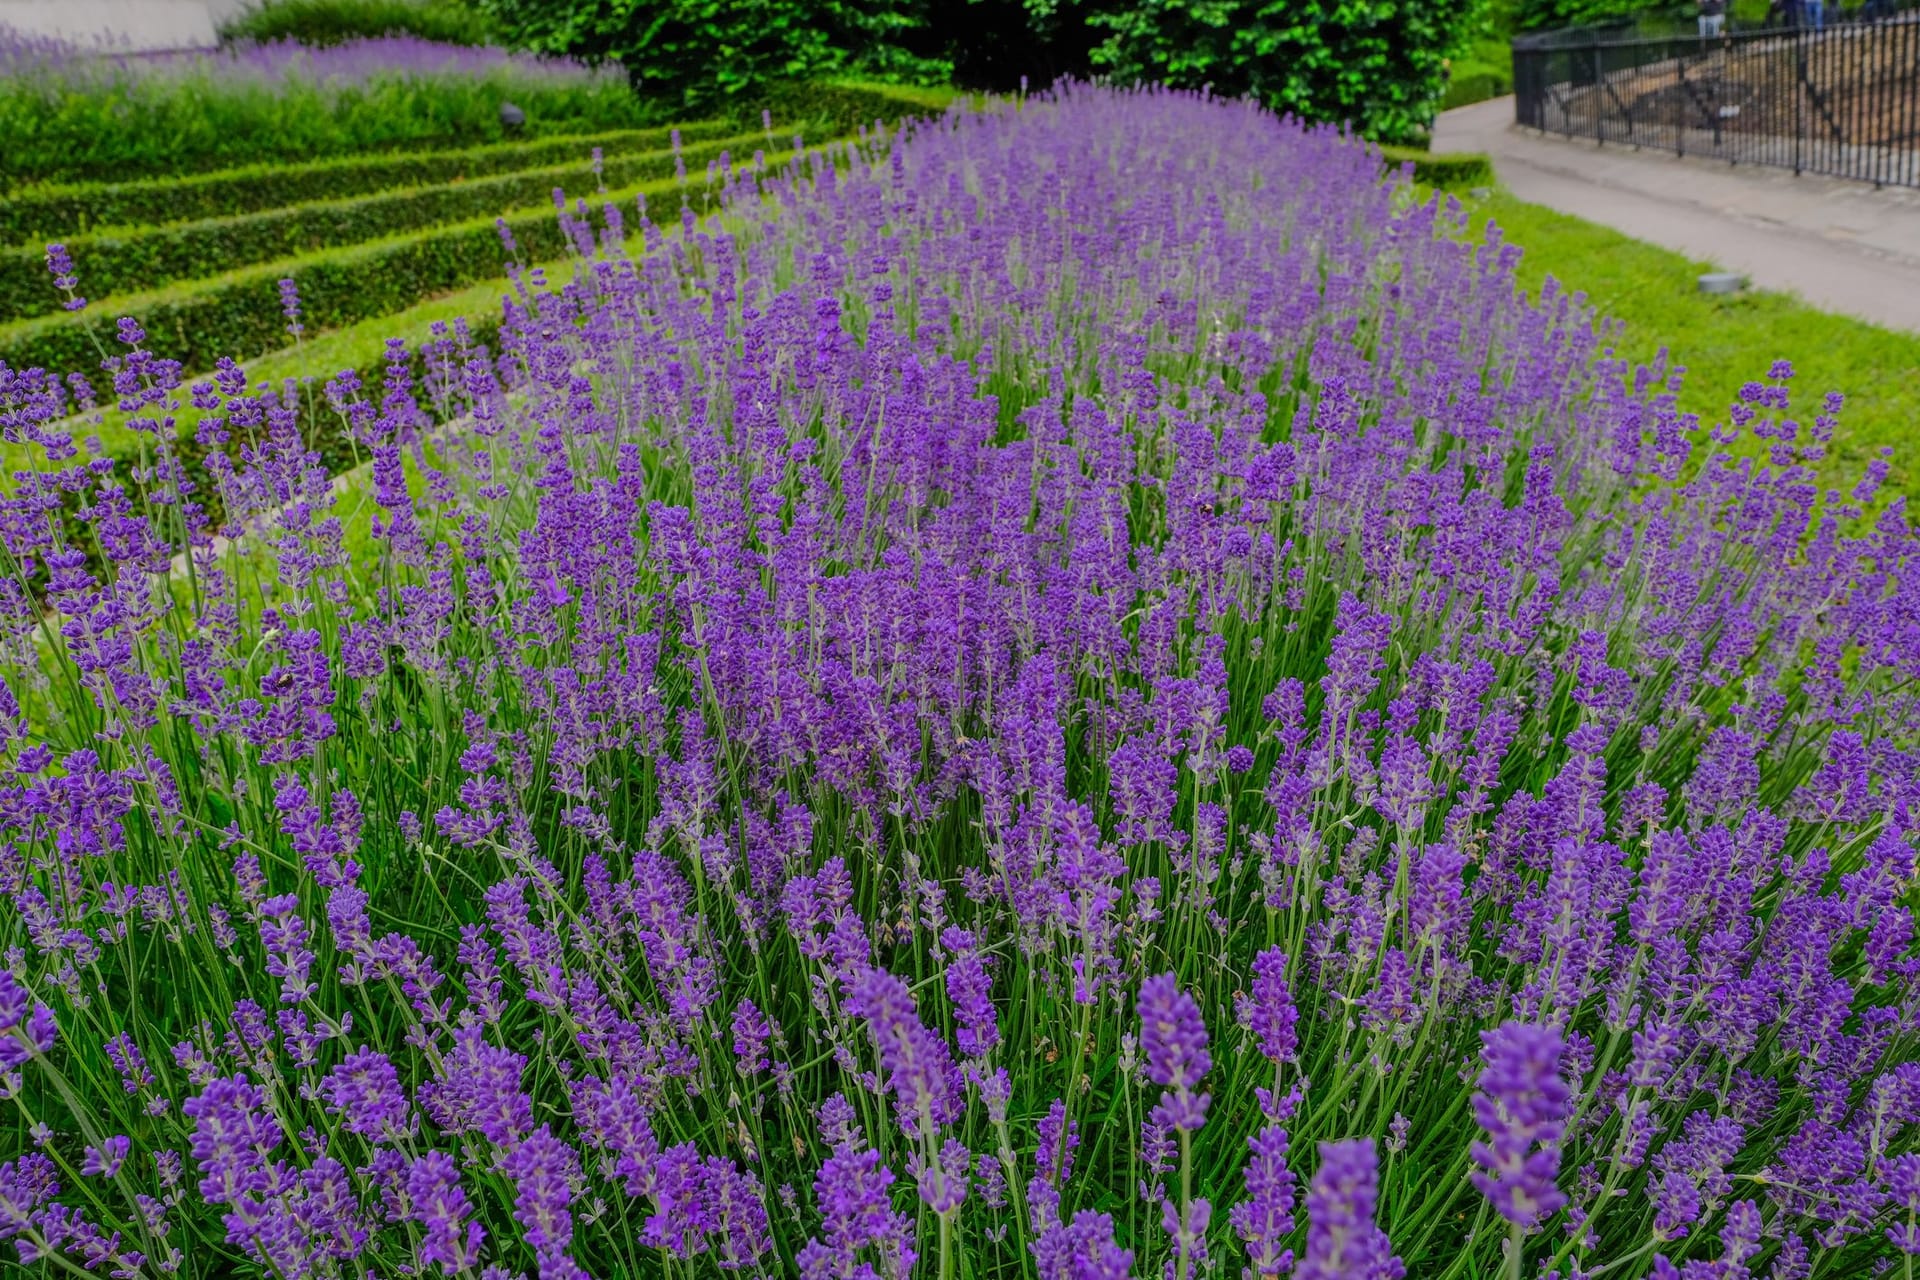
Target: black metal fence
[[1843, 101]]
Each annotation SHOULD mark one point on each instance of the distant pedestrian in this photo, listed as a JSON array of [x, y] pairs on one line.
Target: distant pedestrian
[[1713, 18], [1816, 12]]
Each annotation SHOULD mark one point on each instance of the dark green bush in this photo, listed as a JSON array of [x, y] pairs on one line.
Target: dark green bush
[[330, 22], [830, 109], [699, 55], [38, 214], [146, 259], [1374, 64]]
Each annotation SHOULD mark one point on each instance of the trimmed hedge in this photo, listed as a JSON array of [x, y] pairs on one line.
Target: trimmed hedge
[[53, 212], [239, 315], [1442, 168], [840, 106], [141, 261], [1477, 86]]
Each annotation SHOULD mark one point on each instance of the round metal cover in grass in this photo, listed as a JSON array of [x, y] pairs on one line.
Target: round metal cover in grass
[[1722, 282]]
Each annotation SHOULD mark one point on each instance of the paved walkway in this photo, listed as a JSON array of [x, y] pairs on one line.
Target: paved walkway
[[1840, 245]]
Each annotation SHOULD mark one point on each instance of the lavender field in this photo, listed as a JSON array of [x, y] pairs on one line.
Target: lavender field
[[1082, 689]]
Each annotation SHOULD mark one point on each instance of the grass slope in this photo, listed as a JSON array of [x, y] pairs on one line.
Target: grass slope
[[1724, 342]]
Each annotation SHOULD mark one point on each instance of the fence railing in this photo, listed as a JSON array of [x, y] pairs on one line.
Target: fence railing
[[1843, 101]]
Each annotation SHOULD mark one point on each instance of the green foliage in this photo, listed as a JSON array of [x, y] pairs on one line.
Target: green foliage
[[1373, 63], [330, 22], [1444, 169], [127, 261], [830, 108], [700, 55], [57, 212], [1484, 71], [112, 124], [1546, 15], [238, 314]]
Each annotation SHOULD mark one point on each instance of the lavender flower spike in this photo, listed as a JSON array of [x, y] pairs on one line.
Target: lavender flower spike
[[60, 267], [1522, 1105], [1342, 1241], [1173, 1041]]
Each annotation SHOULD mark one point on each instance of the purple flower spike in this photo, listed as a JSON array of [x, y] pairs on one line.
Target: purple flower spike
[[920, 1070], [1522, 1105], [441, 1207], [1173, 1041], [1267, 1011], [1264, 1219], [290, 306], [60, 267], [1342, 1241], [1083, 1249], [365, 1091]]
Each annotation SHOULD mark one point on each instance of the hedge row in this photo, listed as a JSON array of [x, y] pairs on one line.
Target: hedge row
[[57, 212], [838, 107], [239, 314], [1442, 168], [147, 259]]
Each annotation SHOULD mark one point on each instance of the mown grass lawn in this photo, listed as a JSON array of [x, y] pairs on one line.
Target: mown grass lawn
[[1724, 342]]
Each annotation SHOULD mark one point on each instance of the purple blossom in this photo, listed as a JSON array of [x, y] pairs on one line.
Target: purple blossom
[[365, 1091], [1173, 1042], [1342, 1241], [1264, 1220], [1522, 1106]]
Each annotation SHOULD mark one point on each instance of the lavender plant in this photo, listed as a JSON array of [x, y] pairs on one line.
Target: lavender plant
[[1079, 691], [71, 114]]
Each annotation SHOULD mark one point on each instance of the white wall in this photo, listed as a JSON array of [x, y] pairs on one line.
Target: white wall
[[136, 25]]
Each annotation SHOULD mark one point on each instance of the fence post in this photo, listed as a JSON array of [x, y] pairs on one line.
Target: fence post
[[1799, 95], [1599, 99]]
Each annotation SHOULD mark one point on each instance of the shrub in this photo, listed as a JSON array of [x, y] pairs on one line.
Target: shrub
[[330, 22], [238, 313], [1442, 168], [144, 260], [1084, 667], [59, 212], [1374, 64], [695, 56]]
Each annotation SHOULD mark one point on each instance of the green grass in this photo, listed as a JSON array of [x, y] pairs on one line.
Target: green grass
[[1724, 342]]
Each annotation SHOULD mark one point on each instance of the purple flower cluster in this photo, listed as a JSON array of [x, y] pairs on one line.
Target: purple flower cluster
[[1053, 669]]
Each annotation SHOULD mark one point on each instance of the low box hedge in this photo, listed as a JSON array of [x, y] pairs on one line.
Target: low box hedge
[[1442, 168], [839, 107], [118, 262], [238, 314], [36, 214]]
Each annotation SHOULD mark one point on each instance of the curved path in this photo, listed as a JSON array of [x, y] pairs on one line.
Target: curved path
[[1842, 246]]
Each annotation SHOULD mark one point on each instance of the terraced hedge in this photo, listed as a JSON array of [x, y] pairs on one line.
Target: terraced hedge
[[119, 262], [238, 313], [59, 211]]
